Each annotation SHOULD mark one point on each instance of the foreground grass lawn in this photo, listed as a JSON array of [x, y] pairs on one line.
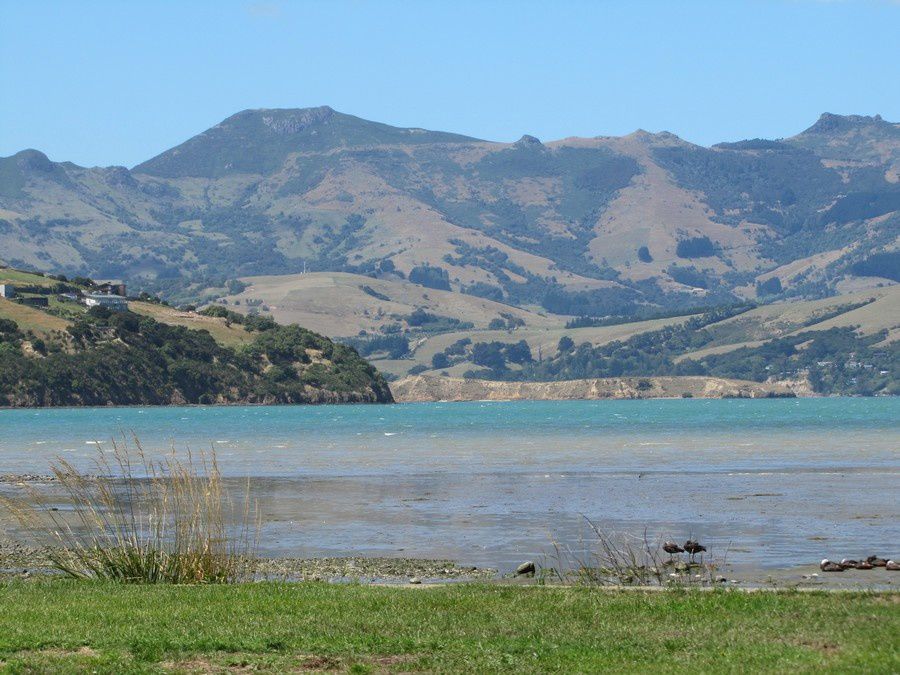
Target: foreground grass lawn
[[51, 626]]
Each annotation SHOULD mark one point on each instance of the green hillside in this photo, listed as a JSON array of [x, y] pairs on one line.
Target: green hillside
[[154, 354]]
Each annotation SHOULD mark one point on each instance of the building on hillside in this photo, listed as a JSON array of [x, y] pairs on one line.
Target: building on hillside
[[111, 287], [116, 303], [34, 300], [7, 291]]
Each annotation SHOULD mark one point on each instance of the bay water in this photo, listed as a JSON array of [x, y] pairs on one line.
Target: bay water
[[775, 483]]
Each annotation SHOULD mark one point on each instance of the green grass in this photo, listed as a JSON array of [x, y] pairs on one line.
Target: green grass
[[83, 626], [8, 275]]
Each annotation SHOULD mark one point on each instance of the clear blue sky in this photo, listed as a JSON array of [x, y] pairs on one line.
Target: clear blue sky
[[102, 83]]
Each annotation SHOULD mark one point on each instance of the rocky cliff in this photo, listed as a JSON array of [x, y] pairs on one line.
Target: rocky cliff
[[422, 388]]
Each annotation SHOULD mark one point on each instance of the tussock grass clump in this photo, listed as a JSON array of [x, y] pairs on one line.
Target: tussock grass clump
[[142, 521], [621, 560]]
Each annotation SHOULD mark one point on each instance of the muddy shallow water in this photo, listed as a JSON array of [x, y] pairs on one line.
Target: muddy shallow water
[[771, 483]]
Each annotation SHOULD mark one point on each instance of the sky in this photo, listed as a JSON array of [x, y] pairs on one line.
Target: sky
[[115, 83]]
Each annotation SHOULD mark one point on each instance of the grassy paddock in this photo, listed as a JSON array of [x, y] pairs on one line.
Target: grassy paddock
[[91, 626]]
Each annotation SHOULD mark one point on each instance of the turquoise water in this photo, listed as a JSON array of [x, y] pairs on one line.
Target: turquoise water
[[777, 482]]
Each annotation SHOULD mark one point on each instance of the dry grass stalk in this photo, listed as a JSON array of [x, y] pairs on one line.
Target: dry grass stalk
[[626, 560], [141, 521]]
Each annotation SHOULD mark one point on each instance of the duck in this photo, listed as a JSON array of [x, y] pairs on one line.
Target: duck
[[830, 566], [864, 565], [849, 564], [672, 548], [693, 547], [891, 565], [875, 561]]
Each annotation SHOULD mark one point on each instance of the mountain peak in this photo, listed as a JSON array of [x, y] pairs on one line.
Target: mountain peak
[[528, 142], [283, 120], [831, 123], [258, 141], [33, 160]]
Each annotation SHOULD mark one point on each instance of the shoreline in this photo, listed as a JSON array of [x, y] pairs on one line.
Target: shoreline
[[23, 561], [512, 399]]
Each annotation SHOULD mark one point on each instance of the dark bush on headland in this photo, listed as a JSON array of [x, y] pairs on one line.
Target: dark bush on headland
[[121, 358]]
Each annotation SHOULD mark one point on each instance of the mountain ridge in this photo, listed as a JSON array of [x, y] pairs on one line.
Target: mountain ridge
[[575, 226]]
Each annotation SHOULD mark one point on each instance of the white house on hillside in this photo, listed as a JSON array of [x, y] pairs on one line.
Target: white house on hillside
[[115, 303]]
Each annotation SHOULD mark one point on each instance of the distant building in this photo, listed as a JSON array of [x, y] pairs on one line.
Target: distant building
[[111, 287], [7, 291], [34, 300], [115, 303]]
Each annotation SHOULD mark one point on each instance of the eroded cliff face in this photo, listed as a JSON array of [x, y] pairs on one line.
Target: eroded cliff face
[[422, 388]]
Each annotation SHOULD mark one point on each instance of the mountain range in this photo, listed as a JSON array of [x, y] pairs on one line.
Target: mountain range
[[579, 226]]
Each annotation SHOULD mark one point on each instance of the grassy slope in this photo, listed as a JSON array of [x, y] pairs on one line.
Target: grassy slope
[[30, 318], [545, 339], [40, 321], [782, 319], [459, 628], [748, 329], [335, 304], [223, 334], [8, 275]]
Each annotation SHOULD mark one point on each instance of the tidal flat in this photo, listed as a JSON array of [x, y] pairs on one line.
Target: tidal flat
[[770, 486]]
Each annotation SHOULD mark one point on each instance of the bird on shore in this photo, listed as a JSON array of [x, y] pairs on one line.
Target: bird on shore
[[693, 547], [672, 548], [849, 564], [891, 565], [830, 566], [875, 561], [864, 565]]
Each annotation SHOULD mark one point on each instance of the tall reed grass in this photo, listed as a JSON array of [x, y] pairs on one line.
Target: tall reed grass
[[139, 520]]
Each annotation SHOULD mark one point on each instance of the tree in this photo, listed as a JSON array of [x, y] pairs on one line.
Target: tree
[[519, 352], [644, 255], [769, 287], [489, 355], [440, 361], [565, 344]]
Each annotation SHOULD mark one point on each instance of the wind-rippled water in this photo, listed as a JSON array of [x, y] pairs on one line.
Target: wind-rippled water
[[777, 482]]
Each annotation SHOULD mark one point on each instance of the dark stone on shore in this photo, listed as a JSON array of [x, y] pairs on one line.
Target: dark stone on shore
[[525, 568]]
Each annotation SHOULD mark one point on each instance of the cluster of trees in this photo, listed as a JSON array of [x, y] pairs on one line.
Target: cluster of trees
[[885, 265], [648, 313], [837, 361], [121, 358], [435, 323], [430, 277], [695, 247], [496, 356], [395, 346], [506, 321], [251, 322], [769, 287], [689, 276]]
